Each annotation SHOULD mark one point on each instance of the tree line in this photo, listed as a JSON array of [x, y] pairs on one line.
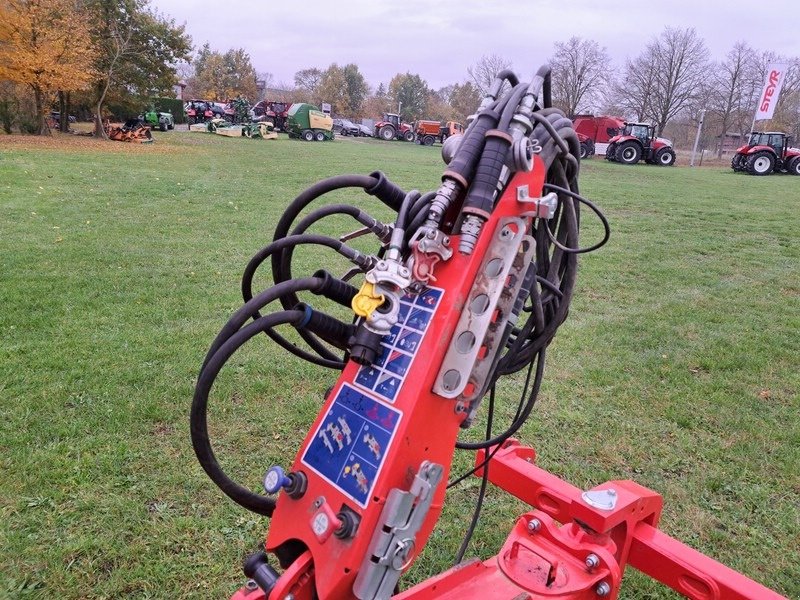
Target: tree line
[[103, 52], [90, 51]]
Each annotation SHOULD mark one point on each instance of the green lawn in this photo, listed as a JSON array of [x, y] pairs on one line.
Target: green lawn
[[678, 366]]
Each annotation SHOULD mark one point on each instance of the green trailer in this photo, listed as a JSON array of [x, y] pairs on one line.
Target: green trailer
[[308, 123]]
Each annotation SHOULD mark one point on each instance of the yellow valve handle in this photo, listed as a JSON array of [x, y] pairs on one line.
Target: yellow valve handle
[[366, 300]]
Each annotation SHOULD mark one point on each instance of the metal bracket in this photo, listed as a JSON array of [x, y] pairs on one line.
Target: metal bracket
[[543, 208], [393, 545]]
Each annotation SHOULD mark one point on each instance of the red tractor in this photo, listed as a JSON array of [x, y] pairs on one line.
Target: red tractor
[[638, 141], [273, 112], [391, 127], [766, 153]]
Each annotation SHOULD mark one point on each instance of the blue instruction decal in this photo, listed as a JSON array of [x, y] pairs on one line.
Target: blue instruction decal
[[398, 348], [349, 446]]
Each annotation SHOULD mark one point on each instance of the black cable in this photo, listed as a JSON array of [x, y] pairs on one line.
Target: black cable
[[594, 208], [198, 418], [476, 515]]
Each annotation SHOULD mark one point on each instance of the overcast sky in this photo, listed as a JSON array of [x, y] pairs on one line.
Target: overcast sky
[[439, 39]]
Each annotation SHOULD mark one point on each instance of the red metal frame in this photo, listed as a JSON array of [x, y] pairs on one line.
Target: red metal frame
[[547, 554], [548, 560]]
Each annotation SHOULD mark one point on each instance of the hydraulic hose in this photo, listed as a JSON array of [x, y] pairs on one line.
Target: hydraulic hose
[[198, 419]]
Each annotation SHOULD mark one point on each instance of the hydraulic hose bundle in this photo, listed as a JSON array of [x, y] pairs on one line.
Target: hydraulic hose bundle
[[515, 131]]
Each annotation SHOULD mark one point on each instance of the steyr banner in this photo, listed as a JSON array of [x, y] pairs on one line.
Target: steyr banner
[[776, 73]]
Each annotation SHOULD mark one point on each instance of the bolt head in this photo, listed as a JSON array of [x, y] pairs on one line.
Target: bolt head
[[602, 589], [534, 525], [592, 561]]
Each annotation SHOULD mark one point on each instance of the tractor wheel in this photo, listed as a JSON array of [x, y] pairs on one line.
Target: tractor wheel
[[736, 162], [307, 135], [319, 136], [428, 140], [611, 152], [629, 153], [386, 133], [665, 157], [162, 126], [794, 166], [408, 136], [761, 163], [585, 151]]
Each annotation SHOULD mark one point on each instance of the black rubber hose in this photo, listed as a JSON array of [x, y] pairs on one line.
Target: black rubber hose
[[304, 199], [252, 306], [198, 418]]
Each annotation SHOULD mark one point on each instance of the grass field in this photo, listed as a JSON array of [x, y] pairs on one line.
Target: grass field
[[678, 366]]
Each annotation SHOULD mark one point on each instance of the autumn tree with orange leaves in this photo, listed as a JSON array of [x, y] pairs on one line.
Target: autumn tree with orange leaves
[[45, 44]]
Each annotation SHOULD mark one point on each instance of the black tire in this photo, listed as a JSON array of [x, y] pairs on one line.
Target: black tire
[[584, 151], [794, 166], [192, 120], [736, 162], [307, 135], [171, 126], [761, 163], [611, 152], [428, 140], [629, 153], [665, 157], [319, 136], [162, 126], [386, 133], [408, 136]]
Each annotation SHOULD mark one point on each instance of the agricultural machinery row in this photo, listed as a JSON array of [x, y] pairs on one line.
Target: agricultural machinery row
[[425, 132]]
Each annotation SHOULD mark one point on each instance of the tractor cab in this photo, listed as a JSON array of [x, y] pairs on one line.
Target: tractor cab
[[645, 133], [393, 119]]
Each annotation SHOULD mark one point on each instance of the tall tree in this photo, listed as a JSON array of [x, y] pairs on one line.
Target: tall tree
[[333, 90], [221, 77], [634, 92], [45, 45], [241, 75], [308, 80], [465, 99], [410, 92], [484, 71], [731, 84], [357, 88], [667, 77], [139, 51], [580, 72]]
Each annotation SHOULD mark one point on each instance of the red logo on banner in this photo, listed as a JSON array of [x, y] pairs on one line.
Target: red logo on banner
[[774, 76]]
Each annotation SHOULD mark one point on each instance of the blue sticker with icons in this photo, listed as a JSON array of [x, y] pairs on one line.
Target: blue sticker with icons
[[399, 347], [351, 442]]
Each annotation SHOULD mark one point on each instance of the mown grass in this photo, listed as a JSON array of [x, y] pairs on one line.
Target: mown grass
[[678, 366]]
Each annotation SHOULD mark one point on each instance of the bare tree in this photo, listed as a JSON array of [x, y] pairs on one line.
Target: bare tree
[[667, 77], [483, 72], [581, 71], [731, 87]]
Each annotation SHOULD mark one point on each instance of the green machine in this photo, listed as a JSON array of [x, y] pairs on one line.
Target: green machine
[[308, 123]]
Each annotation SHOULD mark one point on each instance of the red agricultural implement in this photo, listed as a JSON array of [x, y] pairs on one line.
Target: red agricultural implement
[[766, 153], [594, 132], [468, 284]]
